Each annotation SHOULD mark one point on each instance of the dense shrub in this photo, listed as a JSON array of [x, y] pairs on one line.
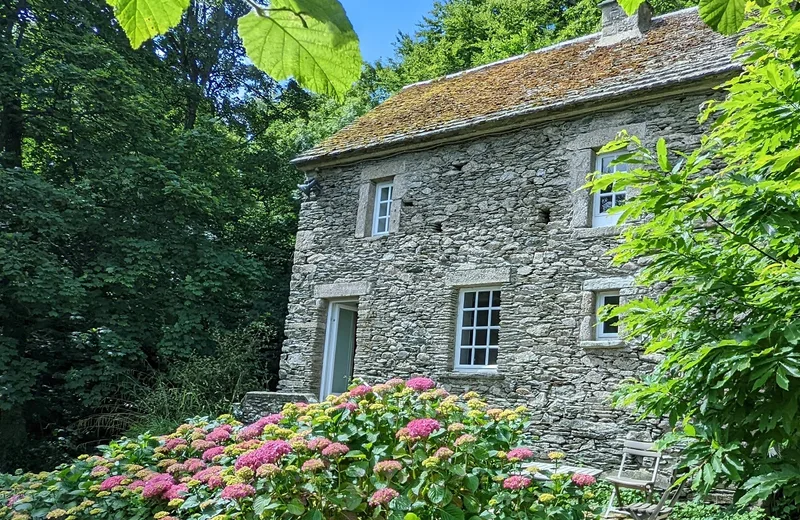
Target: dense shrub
[[400, 450]]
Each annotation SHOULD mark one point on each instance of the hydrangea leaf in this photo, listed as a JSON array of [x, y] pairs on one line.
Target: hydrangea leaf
[[630, 6], [724, 16], [309, 40], [145, 19]]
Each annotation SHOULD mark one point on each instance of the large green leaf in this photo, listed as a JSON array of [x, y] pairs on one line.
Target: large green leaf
[[321, 52], [630, 6], [144, 19], [724, 16]]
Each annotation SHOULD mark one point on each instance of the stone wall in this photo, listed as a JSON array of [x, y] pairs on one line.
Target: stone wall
[[505, 209]]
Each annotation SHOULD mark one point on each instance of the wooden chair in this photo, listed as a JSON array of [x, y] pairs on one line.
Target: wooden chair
[[631, 451], [658, 511]]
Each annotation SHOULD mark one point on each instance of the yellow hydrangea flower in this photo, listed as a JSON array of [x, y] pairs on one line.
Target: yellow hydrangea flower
[[175, 502], [555, 455], [102, 494], [95, 511], [160, 515], [471, 395], [431, 462], [95, 488], [544, 498], [245, 473], [56, 513]]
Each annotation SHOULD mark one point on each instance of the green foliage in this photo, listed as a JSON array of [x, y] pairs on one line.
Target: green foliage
[[148, 215], [721, 240], [355, 456], [725, 16], [310, 40]]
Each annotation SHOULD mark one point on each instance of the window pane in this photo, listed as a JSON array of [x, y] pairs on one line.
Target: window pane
[[611, 326], [383, 225], [481, 337], [494, 337], [605, 164], [469, 319], [495, 318], [465, 357], [495, 298], [611, 299], [483, 298], [619, 199], [466, 337], [469, 300], [492, 356], [385, 193], [480, 356], [483, 318], [606, 203]]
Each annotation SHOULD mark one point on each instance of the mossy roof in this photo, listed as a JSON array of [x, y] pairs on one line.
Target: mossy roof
[[678, 48]]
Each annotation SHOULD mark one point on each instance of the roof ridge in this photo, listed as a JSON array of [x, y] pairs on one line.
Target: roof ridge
[[565, 43]]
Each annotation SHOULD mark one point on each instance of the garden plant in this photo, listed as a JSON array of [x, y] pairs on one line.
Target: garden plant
[[400, 450]]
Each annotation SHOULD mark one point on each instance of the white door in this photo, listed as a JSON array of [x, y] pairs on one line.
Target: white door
[[340, 348]]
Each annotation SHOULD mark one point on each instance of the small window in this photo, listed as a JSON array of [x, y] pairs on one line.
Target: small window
[[608, 198], [383, 208], [608, 329], [478, 330]]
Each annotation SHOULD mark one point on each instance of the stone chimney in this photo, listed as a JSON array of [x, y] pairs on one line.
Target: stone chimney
[[618, 26]]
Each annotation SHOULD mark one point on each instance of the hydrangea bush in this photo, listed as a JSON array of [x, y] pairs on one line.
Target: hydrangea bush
[[403, 450]]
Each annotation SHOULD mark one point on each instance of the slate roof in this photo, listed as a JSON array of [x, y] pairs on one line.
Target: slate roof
[[679, 48]]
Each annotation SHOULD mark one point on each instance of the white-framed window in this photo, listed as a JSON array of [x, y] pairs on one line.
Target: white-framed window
[[608, 329], [381, 213], [608, 198], [478, 328]]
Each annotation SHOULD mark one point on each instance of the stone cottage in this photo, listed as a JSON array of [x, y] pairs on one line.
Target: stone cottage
[[451, 238]]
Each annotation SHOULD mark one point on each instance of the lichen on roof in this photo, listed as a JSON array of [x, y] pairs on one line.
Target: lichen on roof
[[678, 47]]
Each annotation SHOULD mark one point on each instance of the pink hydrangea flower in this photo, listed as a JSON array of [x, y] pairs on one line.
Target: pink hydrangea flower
[[238, 491], [318, 444], [349, 405], [194, 465], [443, 453], [111, 482], [337, 449], [211, 453], [157, 485], [176, 491], [257, 428], [99, 470], [13, 500], [202, 445], [174, 469], [360, 390], [396, 381], [220, 434], [519, 454], [136, 484], [215, 482], [465, 439], [516, 482], [313, 465], [207, 473], [423, 428], [382, 497], [171, 444], [387, 467], [582, 479], [420, 384], [270, 453]]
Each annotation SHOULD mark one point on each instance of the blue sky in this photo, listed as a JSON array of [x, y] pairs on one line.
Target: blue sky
[[378, 21]]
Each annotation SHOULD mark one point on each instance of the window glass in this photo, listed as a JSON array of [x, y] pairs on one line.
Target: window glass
[[478, 329], [608, 329], [607, 198], [383, 208]]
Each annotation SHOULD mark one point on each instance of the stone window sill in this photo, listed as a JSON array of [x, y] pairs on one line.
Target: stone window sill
[[602, 344], [473, 374], [376, 238], [608, 231]]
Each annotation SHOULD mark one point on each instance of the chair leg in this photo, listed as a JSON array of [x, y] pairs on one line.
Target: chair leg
[[611, 502]]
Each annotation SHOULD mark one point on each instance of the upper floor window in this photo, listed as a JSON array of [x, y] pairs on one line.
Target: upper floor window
[[478, 329], [381, 214], [609, 328], [608, 198]]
